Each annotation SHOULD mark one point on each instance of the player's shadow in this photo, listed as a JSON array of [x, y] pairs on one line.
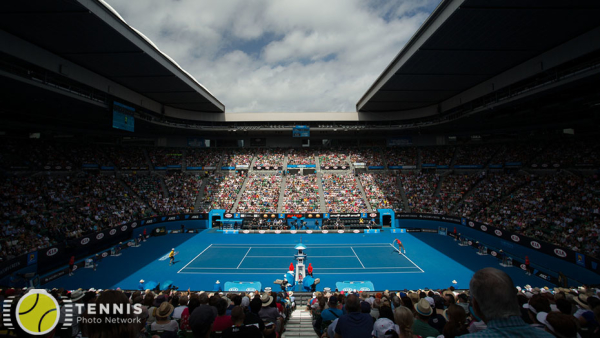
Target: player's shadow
[[175, 262]]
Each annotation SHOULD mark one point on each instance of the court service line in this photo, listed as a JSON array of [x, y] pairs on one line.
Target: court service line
[[383, 268], [244, 258], [291, 245], [277, 273], [194, 258], [357, 258], [292, 256]]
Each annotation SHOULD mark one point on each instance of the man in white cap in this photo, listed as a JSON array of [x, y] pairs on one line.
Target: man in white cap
[[141, 285]]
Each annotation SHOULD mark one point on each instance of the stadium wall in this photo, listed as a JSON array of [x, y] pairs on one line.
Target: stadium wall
[[551, 263]]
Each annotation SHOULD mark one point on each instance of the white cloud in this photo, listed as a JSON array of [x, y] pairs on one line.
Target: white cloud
[[322, 56]]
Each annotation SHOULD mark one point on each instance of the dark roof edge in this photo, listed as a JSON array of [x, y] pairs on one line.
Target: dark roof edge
[[446, 7], [107, 14]]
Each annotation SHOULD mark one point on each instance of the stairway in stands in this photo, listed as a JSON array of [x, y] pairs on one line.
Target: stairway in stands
[[240, 194], [200, 197], [300, 322], [321, 194], [281, 194], [406, 207], [363, 194]]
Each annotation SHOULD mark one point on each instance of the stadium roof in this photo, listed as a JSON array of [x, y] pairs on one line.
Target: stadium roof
[[466, 42], [89, 33]]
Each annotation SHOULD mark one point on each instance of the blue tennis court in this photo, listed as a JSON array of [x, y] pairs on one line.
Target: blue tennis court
[[431, 261], [327, 259]]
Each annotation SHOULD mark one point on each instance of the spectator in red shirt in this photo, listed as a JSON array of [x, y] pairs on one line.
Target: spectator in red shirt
[[222, 321]]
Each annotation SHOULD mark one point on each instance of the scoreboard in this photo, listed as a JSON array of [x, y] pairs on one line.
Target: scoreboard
[[301, 131], [123, 117]]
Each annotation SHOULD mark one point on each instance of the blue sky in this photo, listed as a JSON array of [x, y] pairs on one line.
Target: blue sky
[[280, 55]]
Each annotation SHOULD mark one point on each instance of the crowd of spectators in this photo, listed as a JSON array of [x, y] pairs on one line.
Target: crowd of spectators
[[368, 156], [518, 152], [494, 187], [454, 187], [437, 155], [401, 156], [559, 208], [237, 157], [261, 194], [568, 153], [148, 187], [270, 158], [492, 306], [382, 191], [334, 157], [162, 157], [183, 190], [151, 314], [301, 157], [342, 194], [419, 189], [40, 211], [475, 154], [301, 194], [128, 157], [222, 191], [202, 158], [87, 155]]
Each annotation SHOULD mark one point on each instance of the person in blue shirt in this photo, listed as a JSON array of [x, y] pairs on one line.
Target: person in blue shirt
[[331, 313], [354, 323], [141, 285], [495, 302]]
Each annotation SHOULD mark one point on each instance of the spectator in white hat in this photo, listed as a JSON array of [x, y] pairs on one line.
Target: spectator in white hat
[[423, 312]]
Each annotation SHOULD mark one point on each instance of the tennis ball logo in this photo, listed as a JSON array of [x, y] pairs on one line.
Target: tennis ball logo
[[37, 312]]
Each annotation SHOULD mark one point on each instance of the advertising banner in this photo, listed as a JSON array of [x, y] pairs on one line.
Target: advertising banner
[[541, 246]]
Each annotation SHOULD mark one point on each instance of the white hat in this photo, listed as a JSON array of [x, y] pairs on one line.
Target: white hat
[[382, 328], [141, 281], [454, 282]]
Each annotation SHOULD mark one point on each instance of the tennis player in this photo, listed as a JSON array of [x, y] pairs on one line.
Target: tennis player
[[172, 256], [400, 247]]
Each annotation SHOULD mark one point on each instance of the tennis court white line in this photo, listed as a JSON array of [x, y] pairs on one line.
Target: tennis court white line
[[194, 258], [380, 267], [294, 244], [409, 260], [244, 258], [277, 273], [292, 248], [413, 263], [289, 256], [357, 258]]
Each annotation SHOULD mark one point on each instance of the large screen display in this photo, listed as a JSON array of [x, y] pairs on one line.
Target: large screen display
[[301, 131], [123, 117]]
